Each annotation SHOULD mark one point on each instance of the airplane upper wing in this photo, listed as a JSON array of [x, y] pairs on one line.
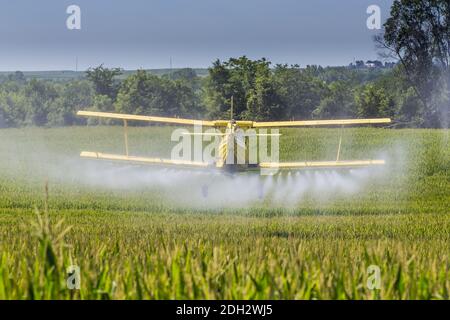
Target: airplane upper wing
[[223, 123], [130, 117], [306, 123]]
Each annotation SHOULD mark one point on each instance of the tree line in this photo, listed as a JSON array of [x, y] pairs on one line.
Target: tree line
[[415, 93]]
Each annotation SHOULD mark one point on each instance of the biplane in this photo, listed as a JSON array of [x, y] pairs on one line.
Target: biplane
[[228, 131]]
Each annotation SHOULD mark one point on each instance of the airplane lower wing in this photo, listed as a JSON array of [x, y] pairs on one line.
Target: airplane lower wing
[[320, 164], [144, 160], [263, 165], [311, 123]]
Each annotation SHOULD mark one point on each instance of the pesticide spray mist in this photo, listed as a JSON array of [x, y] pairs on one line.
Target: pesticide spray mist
[[200, 189], [212, 189]]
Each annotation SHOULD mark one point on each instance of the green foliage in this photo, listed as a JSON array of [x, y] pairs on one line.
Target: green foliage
[[41, 103], [40, 95], [410, 108], [259, 93], [104, 80], [417, 34], [338, 102], [12, 109], [249, 82], [263, 101], [300, 91], [157, 256], [372, 101], [74, 96], [144, 93]]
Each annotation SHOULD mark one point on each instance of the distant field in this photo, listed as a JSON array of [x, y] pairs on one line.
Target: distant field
[[139, 233], [66, 75]]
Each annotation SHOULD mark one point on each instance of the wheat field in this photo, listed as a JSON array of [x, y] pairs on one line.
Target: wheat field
[[135, 233]]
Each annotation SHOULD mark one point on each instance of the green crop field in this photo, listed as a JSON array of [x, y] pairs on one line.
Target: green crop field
[[142, 233]]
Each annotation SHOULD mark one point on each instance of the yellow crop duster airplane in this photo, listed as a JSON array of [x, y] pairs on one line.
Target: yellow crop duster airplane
[[231, 128]]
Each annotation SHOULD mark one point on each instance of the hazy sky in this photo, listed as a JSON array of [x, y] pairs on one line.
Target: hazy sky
[[146, 33]]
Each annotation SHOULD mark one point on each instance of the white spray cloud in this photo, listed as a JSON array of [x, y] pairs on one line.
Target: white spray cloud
[[209, 189]]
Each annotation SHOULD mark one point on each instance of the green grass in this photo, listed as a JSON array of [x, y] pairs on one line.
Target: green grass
[[137, 242]]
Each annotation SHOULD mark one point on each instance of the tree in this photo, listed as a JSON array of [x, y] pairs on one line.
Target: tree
[[147, 94], [249, 82], [73, 96], [101, 103], [40, 95], [12, 109], [17, 76], [418, 35], [372, 101], [338, 102], [217, 92], [263, 102], [300, 92], [409, 106], [104, 80]]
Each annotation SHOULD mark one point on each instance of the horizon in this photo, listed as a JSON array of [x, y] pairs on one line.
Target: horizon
[[174, 68]]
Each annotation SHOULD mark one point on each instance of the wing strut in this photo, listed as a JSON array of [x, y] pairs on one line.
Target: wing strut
[[125, 131], [340, 143]]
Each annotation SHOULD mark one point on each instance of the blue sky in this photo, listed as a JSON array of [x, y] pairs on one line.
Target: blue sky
[[146, 33]]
